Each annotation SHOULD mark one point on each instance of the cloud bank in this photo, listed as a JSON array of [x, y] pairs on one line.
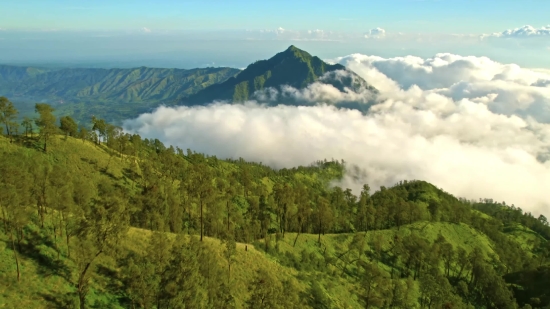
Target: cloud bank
[[472, 126], [522, 32]]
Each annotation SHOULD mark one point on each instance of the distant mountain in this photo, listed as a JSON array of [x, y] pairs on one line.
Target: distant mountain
[[293, 67], [112, 94], [118, 85]]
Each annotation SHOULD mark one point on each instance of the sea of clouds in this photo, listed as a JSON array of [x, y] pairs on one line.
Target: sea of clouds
[[472, 126]]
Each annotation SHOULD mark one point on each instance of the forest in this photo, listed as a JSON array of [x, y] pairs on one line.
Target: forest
[[95, 217]]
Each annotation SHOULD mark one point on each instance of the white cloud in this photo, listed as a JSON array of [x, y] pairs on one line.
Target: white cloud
[[294, 35], [522, 32], [145, 30], [518, 90], [376, 33], [466, 124]]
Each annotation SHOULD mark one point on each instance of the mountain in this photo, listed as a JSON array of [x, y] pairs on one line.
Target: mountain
[[293, 67], [113, 94], [122, 85]]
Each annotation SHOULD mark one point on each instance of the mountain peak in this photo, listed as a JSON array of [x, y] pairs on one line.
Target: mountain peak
[[296, 52], [293, 49], [292, 67]]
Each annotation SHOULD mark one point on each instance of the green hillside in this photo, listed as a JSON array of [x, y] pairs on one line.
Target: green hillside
[[293, 67], [111, 220], [114, 94]]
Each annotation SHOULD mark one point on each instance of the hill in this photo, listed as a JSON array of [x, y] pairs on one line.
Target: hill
[[292, 67], [111, 220], [114, 94]]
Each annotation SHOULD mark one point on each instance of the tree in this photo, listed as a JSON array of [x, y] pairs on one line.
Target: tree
[[183, 282], [265, 291], [103, 224], [202, 188], [324, 216], [99, 126], [46, 122], [68, 125], [8, 114], [83, 133], [434, 208], [27, 124], [230, 248], [301, 200], [372, 284], [14, 197]]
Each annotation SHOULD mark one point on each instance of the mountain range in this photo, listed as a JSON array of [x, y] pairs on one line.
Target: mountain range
[[118, 94]]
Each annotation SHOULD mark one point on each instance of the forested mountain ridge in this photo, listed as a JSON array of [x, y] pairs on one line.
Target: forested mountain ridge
[[102, 218], [292, 67], [114, 94], [121, 85]]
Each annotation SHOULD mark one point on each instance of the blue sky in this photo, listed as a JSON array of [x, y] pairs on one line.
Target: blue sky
[[182, 33], [398, 15]]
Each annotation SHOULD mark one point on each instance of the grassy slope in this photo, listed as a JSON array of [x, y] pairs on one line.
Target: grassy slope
[[46, 280]]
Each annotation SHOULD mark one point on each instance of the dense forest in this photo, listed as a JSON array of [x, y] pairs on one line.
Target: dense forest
[[94, 217]]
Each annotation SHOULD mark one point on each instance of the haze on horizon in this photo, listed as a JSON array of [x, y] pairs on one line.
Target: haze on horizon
[[189, 34]]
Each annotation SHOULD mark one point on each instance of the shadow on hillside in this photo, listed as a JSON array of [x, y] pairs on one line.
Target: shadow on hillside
[[48, 262], [130, 174], [112, 276], [64, 301], [32, 142], [516, 228], [93, 162]]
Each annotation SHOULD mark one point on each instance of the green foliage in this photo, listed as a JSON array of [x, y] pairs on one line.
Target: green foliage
[[68, 125], [45, 122], [8, 114]]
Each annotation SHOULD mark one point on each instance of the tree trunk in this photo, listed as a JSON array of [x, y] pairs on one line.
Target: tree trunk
[[228, 216], [319, 239], [80, 287], [201, 219], [296, 239], [5, 220], [229, 273], [15, 255]]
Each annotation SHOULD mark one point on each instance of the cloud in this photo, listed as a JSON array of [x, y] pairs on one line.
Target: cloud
[[294, 35], [145, 30], [517, 91], [376, 33], [440, 119], [522, 32]]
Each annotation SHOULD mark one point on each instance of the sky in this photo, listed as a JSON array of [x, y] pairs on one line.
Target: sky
[[187, 34], [464, 85]]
